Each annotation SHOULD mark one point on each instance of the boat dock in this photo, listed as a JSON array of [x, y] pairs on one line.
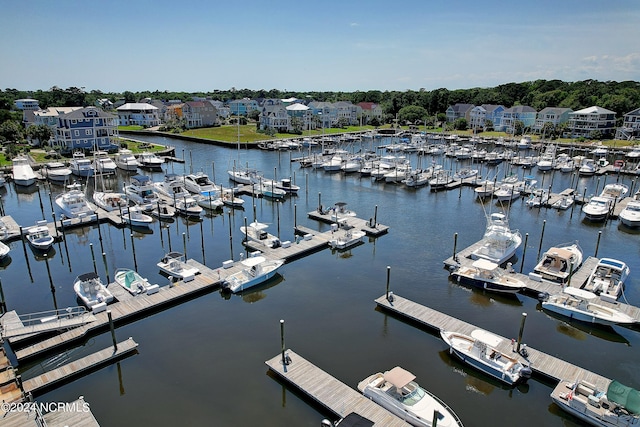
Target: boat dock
[[77, 413], [370, 227], [78, 367], [541, 363], [329, 392]]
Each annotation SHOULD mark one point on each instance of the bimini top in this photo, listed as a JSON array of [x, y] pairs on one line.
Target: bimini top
[[624, 396], [484, 264], [399, 377]]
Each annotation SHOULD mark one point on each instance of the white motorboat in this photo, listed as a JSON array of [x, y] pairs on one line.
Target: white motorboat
[[125, 160], [73, 203], [499, 242], [587, 167], [616, 407], [607, 279], [211, 200], [23, 174], [141, 190], [578, 304], [163, 211], [488, 275], [80, 165], [506, 192], [417, 178], [55, 172], [199, 183], [229, 199], [257, 232], [244, 176], [598, 208], [479, 350], [103, 164], [91, 291], [268, 189], [344, 238], [255, 271], [188, 206], [630, 215], [558, 263], [615, 191], [465, 173], [525, 143], [171, 187], [398, 393], [485, 189], [133, 282], [149, 160], [286, 185], [4, 250], [538, 198], [564, 202], [173, 265], [39, 236], [135, 217], [109, 200], [441, 178], [334, 164]]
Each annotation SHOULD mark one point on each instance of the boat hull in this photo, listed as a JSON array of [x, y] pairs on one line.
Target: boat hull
[[486, 285]]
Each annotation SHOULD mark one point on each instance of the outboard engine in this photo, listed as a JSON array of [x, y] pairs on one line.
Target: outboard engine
[[543, 296], [276, 244], [525, 372]]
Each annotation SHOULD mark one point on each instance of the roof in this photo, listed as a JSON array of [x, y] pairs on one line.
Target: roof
[[297, 107], [136, 106], [594, 110], [80, 113], [399, 377], [521, 109]]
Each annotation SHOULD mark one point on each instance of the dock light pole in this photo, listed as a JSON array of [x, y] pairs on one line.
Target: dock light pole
[[524, 318]]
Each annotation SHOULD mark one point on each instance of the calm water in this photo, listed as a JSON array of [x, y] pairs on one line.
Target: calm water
[[202, 362]]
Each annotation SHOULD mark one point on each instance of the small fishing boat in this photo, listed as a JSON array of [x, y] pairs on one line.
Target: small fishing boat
[[55, 172], [133, 282], [135, 217], [398, 393], [479, 351], [103, 164], [257, 232], [229, 199], [90, 290], [163, 211], [598, 208], [39, 237], [255, 271], [80, 165], [344, 238], [173, 265], [73, 203], [558, 263], [499, 242], [607, 279], [148, 160], [188, 206], [141, 190], [578, 304], [488, 275]]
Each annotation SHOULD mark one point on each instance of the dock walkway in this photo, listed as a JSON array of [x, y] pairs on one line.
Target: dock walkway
[[541, 363], [328, 391]]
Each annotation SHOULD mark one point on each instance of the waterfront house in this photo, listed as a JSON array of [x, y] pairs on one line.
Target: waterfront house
[[325, 112], [630, 126], [303, 113], [480, 115], [591, 119], [223, 110], [459, 111], [370, 111], [199, 114], [27, 104], [553, 115], [242, 107], [138, 113], [522, 113], [273, 115], [346, 111], [87, 128]]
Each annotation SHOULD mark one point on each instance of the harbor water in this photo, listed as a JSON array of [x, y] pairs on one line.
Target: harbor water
[[201, 362]]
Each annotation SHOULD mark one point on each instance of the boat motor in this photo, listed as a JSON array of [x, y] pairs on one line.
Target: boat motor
[[525, 372], [543, 296]]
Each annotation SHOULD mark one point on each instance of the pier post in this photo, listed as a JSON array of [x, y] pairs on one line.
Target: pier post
[[113, 331], [375, 216], [3, 304], [40, 200], [598, 243], [55, 227], [544, 224], [524, 251], [230, 234], [597, 186], [389, 298], [524, 318], [570, 275], [320, 202], [306, 183], [1, 206], [133, 249], [50, 199], [99, 233], [93, 258], [202, 241], [284, 356], [169, 236], [184, 244], [295, 218], [106, 268], [455, 245]]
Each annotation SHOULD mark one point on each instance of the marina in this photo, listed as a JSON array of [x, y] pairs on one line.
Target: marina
[[317, 291]]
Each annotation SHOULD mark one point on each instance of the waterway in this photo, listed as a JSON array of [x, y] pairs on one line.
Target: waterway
[[202, 362]]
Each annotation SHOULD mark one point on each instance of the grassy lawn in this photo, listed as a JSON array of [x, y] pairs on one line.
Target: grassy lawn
[[131, 127]]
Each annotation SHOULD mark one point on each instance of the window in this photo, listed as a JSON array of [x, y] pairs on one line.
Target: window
[[74, 121], [88, 132], [76, 133]]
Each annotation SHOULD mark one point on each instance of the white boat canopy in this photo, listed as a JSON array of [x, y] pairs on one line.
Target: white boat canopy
[[399, 377], [579, 293], [253, 261], [484, 264], [486, 337]]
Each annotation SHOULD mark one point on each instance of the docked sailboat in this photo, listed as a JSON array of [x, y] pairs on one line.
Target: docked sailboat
[[23, 174], [581, 305], [479, 350], [255, 271], [558, 263], [398, 393], [499, 242]]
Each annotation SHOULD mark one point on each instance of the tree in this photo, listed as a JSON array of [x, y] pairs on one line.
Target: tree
[[412, 113], [11, 130], [40, 133], [518, 127], [460, 124], [296, 124], [549, 130]]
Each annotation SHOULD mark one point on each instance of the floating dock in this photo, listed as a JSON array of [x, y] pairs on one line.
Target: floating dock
[[329, 392], [76, 414], [541, 363]]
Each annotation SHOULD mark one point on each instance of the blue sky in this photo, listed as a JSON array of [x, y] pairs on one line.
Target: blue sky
[[301, 45]]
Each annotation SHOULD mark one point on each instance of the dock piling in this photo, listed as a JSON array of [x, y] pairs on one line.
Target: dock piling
[[524, 318], [106, 268], [184, 244], [3, 304], [544, 224], [598, 243], [455, 246], [389, 294], [93, 258], [524, 251], [113, 331], [133, 249], [285, 359]]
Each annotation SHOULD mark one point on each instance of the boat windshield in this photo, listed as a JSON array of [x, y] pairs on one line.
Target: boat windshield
[[411, 394]]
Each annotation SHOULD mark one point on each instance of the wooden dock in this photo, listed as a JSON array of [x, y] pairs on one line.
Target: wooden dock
[[541, 363], [128, 307], [370, 227], [76, 414], [328, 391], [78, 367]]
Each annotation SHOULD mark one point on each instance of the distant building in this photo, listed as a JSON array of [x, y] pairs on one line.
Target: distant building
[[553, 115], [49, 116], [479, 115], [138, 114], [273, 115], [27, 104], [590, 119], [197, 114], [242, 107], [325, 113], [630, 126], [87, 128], [370, 111], [522, 113], [223, 110], [459, 111]]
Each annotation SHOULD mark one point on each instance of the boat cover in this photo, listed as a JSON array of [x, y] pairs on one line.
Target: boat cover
[[399, 377], [624, 396], [355, 420]]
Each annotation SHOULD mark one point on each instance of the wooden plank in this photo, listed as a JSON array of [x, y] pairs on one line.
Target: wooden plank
[[540, 362], [78, 367], [328, 391], [77, 414]]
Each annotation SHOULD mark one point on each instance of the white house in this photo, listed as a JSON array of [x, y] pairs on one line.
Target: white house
[[590, 119], [138, 113]]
